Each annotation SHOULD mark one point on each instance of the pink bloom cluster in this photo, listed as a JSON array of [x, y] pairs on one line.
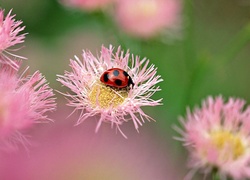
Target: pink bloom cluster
[[24, 99], [9, 36], [94, 98], [217, 136]]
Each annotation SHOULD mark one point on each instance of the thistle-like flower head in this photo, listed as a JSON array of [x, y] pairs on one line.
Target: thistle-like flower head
[[217, 136], [9, 36], [24, 101], [110, 104]]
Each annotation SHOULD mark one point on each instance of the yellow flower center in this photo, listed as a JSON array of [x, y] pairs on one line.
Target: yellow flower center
[[229, 144], [106, 97]]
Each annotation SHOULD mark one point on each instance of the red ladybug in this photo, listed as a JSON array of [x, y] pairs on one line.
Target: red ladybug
[[116, 77]]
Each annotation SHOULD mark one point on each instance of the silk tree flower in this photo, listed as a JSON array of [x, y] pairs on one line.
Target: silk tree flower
[[113, 105], [88, 5], [147, 18], [24, 102], [217, 136], [9, 36]]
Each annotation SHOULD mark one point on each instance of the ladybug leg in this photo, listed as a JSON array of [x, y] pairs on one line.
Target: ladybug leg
[[130, 82]]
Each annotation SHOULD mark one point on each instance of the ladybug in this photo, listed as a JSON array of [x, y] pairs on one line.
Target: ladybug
[[116, 77]]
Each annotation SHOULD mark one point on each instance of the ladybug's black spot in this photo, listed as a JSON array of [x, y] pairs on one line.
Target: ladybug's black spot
[[118, 82], [116, 72], [125, 73], [106, 77]]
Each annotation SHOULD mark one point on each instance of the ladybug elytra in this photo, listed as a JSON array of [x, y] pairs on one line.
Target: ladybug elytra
[[116, 77]]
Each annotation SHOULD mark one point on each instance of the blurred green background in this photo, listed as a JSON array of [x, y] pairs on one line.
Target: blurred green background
[[210, 56]]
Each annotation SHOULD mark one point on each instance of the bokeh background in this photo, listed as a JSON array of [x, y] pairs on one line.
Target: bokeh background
[[209, 55]]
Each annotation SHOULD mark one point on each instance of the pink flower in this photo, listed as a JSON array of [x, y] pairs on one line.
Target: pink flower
[[147, 18], [9, 31], [89, 5], [66, 153], [9, 36], [113, 105], [24, 101], [217, 136]]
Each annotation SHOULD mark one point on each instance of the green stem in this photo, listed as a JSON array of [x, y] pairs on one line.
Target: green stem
[[201, 67], [189, 53], [215, 176], [189, 41], [236, 45]]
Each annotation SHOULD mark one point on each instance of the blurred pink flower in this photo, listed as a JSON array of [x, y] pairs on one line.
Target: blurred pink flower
[[88, 5], [217, 136], [66, 153], [9, 36], [24, 101], [113, 105], [147, 18]]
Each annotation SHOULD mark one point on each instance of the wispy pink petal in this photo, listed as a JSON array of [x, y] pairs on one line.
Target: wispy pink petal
[[10, 36], [24, 102]]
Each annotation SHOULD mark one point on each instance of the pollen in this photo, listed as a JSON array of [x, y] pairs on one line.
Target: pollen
[[106, 97], [229, 145]]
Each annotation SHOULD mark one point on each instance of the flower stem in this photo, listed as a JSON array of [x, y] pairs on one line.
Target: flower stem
[[190, 54], [215, 176], [236, 45], [189, 44]]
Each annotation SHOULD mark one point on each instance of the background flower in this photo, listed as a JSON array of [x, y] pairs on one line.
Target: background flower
[[9, 36], [65, 152], [147, 18], [217, 137], [24, 101]]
